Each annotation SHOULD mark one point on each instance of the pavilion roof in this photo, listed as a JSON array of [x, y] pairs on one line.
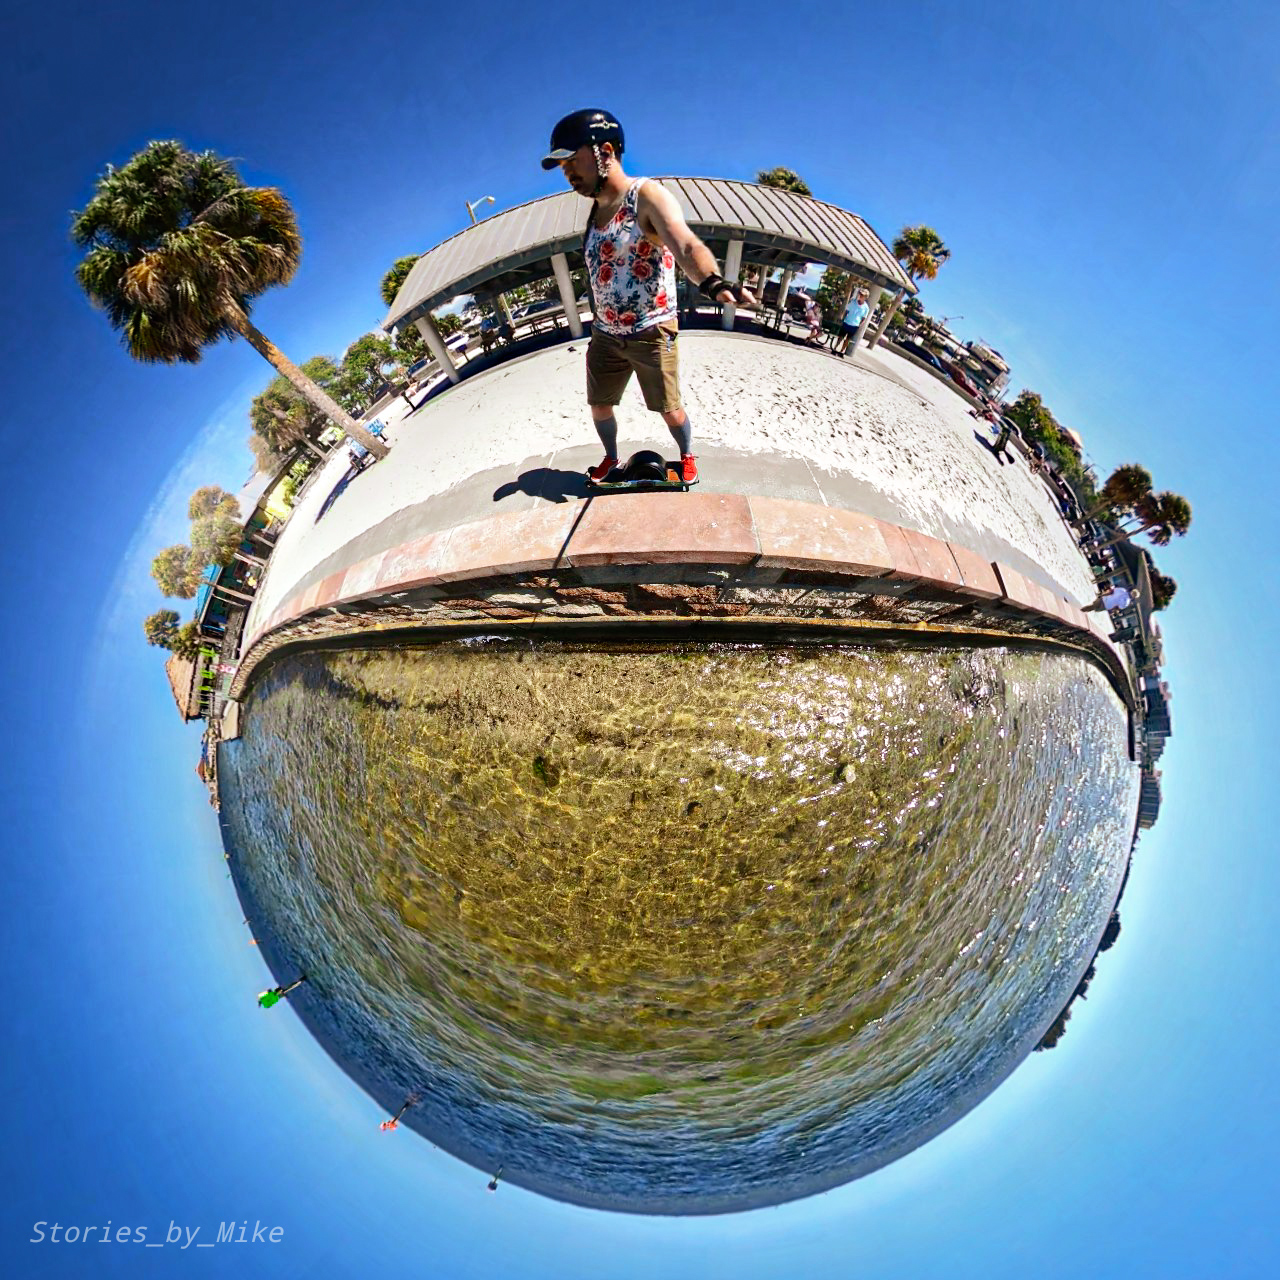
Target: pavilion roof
[[778, 228], [182, 684]]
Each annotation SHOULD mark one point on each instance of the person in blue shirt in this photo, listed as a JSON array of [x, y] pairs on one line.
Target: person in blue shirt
[[856, 312]]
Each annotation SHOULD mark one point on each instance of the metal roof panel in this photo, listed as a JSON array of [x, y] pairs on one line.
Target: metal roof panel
[[716, 208]]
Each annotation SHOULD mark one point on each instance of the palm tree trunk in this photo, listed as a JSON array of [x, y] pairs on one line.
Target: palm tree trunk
[[1127, 536], [1092, 515], [292, 436], [1121, 505], [285, 367]]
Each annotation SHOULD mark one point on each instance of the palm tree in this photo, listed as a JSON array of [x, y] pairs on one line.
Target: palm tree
[[1163, 589], [281, 417], [398, 274], [409, 344], [177, 247], [216, 539], [162, 629], [177, 571], [784, 180], [921, 251], [1159, 516], [362, 375], [1163, 515], [1126, 486], [212, 500], [831, 291]]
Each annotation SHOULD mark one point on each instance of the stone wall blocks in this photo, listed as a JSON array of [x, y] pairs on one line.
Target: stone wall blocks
[[573, 611], [646, 593], [592, 595], [762, 595], [518, 599], [717, 609]]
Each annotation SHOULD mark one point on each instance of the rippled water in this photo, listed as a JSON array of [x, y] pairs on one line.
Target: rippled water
[[679, 929]]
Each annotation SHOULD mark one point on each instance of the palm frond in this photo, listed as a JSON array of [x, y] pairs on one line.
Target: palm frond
[[173, 237]]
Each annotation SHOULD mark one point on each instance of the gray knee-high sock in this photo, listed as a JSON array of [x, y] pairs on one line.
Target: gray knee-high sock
[[607, 430], [684, 434]]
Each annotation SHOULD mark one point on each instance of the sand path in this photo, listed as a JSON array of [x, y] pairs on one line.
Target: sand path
[[877, 435]]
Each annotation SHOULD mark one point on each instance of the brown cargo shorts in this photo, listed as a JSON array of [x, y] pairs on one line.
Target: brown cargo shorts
[[652, 355]]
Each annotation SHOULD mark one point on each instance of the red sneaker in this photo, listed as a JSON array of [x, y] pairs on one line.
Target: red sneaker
[[688, 468], [598, 473]]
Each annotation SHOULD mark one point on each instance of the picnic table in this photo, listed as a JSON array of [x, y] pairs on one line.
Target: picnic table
[[533, 323], [547, 317], [774, 317]]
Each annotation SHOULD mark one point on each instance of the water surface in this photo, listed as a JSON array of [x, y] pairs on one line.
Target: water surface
[[679, 929]]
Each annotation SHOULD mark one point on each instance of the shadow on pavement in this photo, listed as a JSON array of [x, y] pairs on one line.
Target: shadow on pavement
[[551, 483], [990, 447], [337, 491]]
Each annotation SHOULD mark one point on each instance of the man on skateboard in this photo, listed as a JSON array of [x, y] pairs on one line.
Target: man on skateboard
[[635, 237]]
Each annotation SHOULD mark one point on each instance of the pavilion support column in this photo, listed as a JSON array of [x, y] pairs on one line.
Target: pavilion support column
[[431, 336], [732, 268], [888, 316], [560, 265], [784, 287]]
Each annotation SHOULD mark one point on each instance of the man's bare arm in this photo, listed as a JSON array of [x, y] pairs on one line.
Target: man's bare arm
[[662, 219]]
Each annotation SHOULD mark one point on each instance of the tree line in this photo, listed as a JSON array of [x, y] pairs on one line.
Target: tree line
[[1128, 501], [281, 418], [217, 536]]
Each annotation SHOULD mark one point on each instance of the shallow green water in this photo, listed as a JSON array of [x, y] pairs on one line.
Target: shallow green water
[[682, 929]]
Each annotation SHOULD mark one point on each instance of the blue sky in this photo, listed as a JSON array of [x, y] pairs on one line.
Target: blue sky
[[1106, 177]]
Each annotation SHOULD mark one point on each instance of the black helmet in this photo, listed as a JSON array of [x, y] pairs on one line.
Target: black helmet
[[584, 128], [645, 466]]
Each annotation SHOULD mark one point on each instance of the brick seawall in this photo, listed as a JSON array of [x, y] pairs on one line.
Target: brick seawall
[[630, 559]]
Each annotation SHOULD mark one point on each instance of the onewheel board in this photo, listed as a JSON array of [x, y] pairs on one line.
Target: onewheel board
[[619, 481]]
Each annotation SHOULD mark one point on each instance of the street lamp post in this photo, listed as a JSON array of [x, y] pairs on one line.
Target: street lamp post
[[471, 213], [471, 207]]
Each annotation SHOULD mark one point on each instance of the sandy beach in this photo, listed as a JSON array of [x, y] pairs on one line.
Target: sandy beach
[[875, 434]]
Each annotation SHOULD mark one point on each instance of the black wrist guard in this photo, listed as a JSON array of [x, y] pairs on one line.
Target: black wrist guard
[[712, 285]]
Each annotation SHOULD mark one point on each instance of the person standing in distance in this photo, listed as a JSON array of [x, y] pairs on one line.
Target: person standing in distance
[[635, 237], [855, 313]]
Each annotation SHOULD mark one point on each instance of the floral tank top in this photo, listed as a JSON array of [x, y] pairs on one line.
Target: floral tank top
[[633, 281]]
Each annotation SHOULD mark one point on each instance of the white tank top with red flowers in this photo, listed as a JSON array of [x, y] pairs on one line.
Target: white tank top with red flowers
[[633, 281]]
